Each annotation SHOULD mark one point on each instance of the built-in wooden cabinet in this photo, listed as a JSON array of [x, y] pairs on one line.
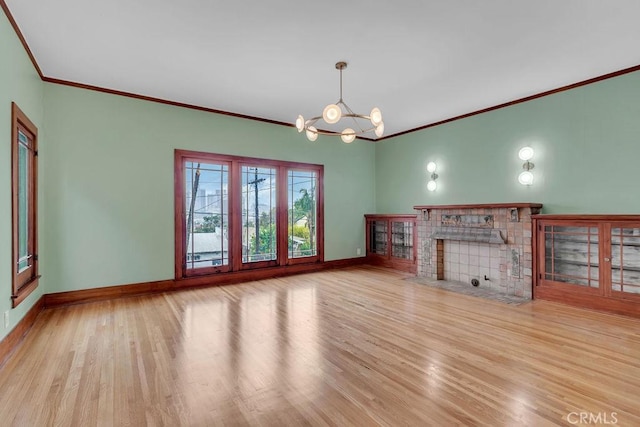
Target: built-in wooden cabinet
[[588, 260], [391, 241]]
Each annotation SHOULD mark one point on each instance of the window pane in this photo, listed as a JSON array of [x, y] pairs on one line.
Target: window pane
[[258, 213], [302, 192], [23, 203], [207, 208]]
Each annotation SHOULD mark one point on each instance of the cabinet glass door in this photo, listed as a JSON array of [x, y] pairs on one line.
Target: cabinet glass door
[[378, 237], [402, 240], [625, 261], [571, 255]]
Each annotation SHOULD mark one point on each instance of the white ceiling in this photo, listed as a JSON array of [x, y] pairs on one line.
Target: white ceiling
[[420, 61]]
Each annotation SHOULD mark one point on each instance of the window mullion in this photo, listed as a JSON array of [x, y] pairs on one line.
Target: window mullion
[[235, 216], [283, 216]]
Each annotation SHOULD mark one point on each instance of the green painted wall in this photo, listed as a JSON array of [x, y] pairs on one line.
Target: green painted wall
[[19, 83], [587, 144], [109, 183]]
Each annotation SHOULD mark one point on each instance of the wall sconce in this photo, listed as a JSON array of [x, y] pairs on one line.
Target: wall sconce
[[526, 177], [431, 168]]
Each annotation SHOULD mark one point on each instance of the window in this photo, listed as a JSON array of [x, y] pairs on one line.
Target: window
[[302, 191], [237, 213], [24, 173], [206, 205], [259, 213]]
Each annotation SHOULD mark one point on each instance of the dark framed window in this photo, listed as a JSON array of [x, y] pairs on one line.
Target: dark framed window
[[24, 181], [206, 222], [302, 232], [239, 213], [259, 226]]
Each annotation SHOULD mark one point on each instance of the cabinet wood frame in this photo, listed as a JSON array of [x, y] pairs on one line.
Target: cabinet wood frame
[[388, 260], [602, 298]]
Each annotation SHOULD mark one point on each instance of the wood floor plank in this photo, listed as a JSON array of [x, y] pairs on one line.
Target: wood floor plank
[[358, 346]]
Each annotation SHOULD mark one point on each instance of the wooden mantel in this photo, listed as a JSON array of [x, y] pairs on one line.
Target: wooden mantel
[[480, 206]]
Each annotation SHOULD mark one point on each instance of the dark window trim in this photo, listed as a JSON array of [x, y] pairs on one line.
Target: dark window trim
[[235, 212], [22, 284]]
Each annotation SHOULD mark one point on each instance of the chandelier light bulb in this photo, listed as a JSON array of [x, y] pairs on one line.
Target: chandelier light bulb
[[431, 185], [379, 129], [332, 114], [312, 133], [525, 178], [300, 123], [348, 135], [525, 153], [376, 116], [431, 167]]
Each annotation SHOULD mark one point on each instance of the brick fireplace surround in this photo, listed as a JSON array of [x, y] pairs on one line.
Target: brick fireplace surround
[[490, 243]]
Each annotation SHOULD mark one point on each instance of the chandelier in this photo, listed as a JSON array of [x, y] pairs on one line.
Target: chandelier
[[333, 113]]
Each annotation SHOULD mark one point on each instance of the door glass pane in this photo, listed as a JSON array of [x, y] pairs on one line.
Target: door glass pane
[[207, 208], [378, 237], [23, 203], [302, 193], [402, 240], [571, 255], [625, 260], [258, 214]]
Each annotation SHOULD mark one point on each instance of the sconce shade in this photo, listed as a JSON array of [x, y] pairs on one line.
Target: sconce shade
[[431, 185], [431, 167], [525, 178], [525, 153]]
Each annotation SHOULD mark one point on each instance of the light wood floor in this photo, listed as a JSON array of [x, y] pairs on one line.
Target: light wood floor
[[359, 346]]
